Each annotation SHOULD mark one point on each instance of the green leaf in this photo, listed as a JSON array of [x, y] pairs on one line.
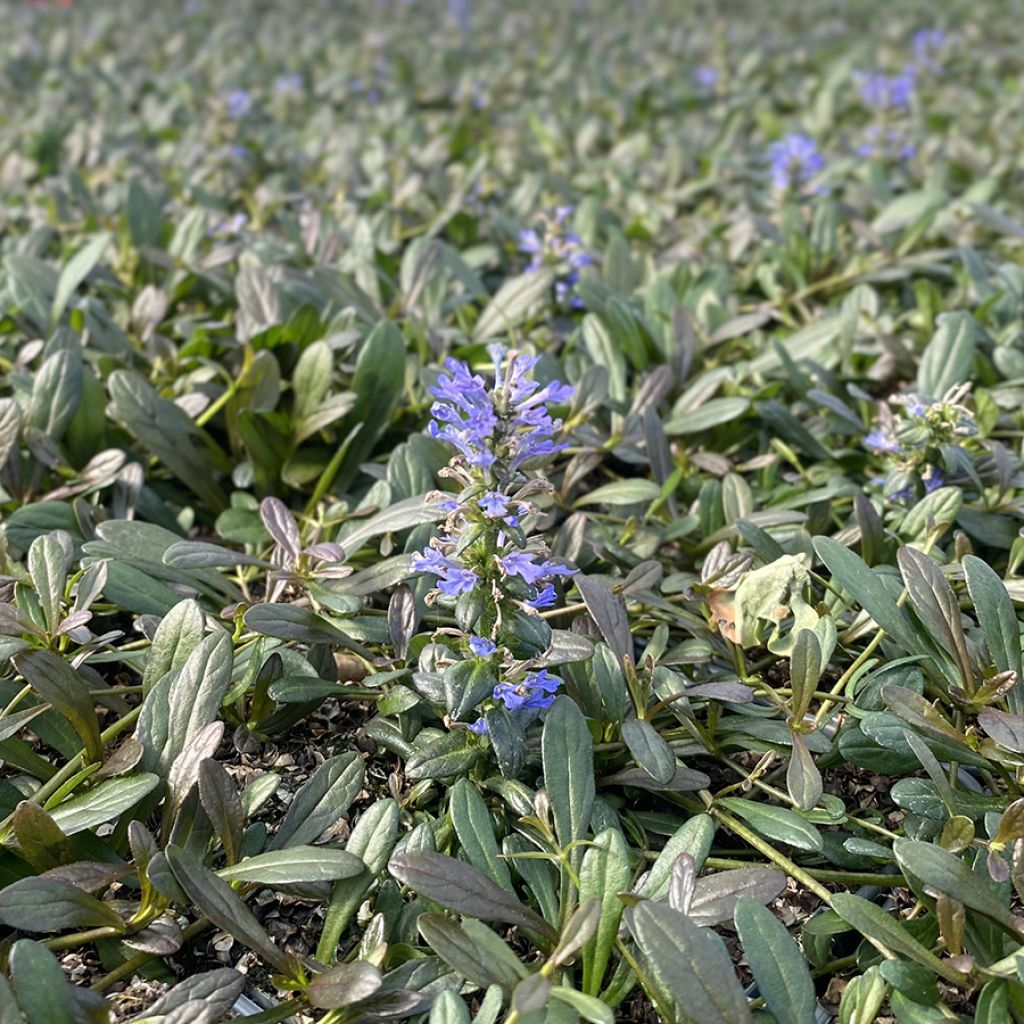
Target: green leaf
[[778, 965], [49, 905], [377, 384], [567, 752], [512, 302], [888, 936], [691, 962], [449, 1008], [945, 872], [56, 682], [462, 888], [694, 839], [622, 492], [295, 865], [43, 993], [803, 779], [998, 622], [608, 610], [776, 823], [48, 560], [102, 803], [343, 985], [649, 750], [605, 872], [77, 270], [478, 962], [165, 430], [854, 576], [713, 413], [949, 357], [216, 899], [933, 601], [321, 802], [588, 1007], [372, 840], [905, 209], [473, 826]]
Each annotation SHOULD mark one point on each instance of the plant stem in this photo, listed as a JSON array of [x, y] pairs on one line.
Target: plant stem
[[48, 788], [778, 859], [129, 967]]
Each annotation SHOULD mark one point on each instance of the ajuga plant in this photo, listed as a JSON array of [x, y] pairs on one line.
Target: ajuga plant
[[489, 569]]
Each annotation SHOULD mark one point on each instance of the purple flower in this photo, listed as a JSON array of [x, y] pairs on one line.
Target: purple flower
[[793, 160], [482, 647], [535, 693], [706, 76], [479, 727], [926, 44], [448, 505], [494, 504], [431, 560], [529, 242], [457, 581], [239, 103], [545, 598], [880, 441], [524, 565], [887, 92], [286, 84], [933, 480]]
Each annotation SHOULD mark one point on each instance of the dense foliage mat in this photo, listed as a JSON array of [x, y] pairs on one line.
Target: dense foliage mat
[[511, 512]]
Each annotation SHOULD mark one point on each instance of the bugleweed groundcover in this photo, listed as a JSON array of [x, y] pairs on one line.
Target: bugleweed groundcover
[[511, 512]]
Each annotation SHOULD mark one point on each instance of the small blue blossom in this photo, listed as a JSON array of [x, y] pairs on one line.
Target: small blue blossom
[[239, 103], [556, 246], [287, 84], [880, 441], [231, 226], [431, 560], [479, 727], [524, 565], [933, 480], [706, 77], [887, 92], [481, 646], [494, 504], [457, 581], [535, 693], [793, 160], [926, 44], [545, 598]]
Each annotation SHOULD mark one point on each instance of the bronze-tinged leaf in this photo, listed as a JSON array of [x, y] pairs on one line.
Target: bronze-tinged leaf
[[460, 887]]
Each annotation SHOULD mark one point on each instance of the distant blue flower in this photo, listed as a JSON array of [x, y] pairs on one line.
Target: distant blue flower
[[535, 693], [461, 11], [449, 505], [290, 83], [885, 92], [916, 407], [706, 76], [529, 242], [933, 480], [880, 441], [231, 226], [793, 160], [239, 103], [479, 727], [926, 44], [481, 646]]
